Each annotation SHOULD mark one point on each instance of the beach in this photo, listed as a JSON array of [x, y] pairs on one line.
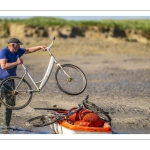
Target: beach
[[118, 81]]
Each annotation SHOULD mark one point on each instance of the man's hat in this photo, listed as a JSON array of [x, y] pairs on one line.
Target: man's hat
[[14, 40]]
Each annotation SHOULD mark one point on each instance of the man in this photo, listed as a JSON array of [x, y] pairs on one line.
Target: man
[[10, 58]]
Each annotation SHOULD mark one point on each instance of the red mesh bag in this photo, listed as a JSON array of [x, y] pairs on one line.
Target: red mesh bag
[[87, 118], [74, 116]]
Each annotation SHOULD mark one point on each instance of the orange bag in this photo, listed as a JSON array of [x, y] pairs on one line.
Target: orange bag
[[86, 118], [74, 116]]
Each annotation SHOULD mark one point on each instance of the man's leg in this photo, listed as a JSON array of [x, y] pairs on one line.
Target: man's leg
[[10, 100], [7, 117]]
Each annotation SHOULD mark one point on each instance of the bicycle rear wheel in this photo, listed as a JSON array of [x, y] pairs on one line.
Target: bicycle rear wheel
[[15, 99], [74, 85], [41, 121], [97, 110]]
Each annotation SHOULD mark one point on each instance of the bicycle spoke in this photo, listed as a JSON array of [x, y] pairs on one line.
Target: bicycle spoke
[[15, 99], [77, 83], [52, 117], [6, 88], [43, 120]]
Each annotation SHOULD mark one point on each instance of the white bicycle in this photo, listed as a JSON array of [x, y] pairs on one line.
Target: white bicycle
[[16, 92]]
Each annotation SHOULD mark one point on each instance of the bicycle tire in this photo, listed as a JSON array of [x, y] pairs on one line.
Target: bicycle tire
[[78, 83], [10, 98], [41, 121], [97, 110]]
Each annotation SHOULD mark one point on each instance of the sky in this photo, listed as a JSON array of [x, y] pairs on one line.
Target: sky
[[103, 17], [88, 18]]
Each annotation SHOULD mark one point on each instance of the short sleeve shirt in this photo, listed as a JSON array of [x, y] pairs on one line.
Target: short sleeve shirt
[[11, 57]]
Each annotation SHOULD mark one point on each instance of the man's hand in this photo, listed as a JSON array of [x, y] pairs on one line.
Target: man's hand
[[19, 61], [43, 48]]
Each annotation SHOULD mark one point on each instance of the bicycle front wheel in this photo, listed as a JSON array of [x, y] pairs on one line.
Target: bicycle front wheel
[[15, 93], [41, 121], [97, 110], [71, 79]]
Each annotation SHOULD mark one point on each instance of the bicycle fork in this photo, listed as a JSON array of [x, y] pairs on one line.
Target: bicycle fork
[[69, 78]]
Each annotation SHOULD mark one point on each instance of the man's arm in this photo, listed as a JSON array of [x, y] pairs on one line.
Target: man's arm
[[34, 49], [5, 65]]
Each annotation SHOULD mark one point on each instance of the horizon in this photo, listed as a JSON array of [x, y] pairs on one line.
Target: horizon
[[77, 18]]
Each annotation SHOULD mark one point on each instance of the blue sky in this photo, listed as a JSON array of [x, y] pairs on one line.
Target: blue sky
[[86, 17]]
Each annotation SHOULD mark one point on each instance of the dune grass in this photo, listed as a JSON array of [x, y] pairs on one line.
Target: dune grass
[[142, 24]]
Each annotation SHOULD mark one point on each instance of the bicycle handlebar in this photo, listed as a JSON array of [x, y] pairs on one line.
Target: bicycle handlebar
[[71, 112], [48, 48]]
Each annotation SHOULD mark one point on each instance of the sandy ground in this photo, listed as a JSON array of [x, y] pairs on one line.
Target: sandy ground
[[117, 82]]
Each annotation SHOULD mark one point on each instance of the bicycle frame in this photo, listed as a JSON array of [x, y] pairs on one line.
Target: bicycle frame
[[52, 61]]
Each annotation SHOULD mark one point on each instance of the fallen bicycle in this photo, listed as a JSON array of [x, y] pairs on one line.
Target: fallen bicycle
[[87, 118], [80, 126]]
